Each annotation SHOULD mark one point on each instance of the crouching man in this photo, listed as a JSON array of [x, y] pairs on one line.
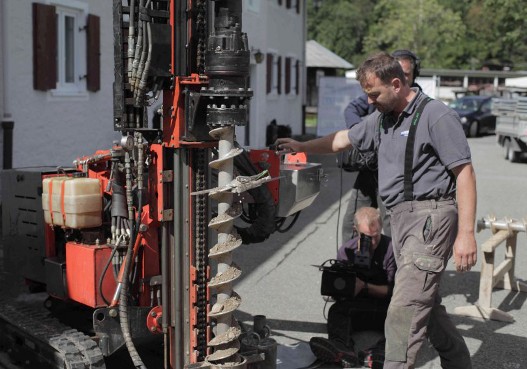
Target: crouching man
[[371, 256]]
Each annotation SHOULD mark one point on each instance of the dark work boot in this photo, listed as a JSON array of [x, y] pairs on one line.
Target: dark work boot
[[373, 357], [333, 352]]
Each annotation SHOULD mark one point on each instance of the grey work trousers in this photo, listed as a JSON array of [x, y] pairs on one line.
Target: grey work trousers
[[423, 234]]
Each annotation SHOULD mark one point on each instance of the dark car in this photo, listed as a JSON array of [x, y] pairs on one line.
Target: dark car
[[476, 114]]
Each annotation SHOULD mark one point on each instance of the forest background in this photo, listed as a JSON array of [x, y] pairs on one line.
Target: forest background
[[450, 34]]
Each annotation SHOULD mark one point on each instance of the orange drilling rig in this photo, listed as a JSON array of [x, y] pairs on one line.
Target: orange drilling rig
[[134, 244]]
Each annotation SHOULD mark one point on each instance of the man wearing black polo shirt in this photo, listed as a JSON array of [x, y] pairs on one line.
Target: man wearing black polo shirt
[[427, 182]]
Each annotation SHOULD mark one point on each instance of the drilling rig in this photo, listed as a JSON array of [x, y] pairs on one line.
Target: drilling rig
[[140, 237]]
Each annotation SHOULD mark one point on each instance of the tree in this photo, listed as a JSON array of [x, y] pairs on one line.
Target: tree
[[444, 33], [340, 25], [506, 38], [423, 26]]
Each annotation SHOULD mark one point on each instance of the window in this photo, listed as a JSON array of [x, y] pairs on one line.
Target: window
[[293, 4], [291, 75], [274, 73], [66, 48], [68, 59], [297, 77], [287, 76]]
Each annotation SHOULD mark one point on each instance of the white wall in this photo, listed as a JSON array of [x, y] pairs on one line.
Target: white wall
[[54, 131], [51, 131], [274, 28]]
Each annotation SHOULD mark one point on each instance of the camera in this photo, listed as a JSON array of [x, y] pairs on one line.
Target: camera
[[362, 256], [338, 278]]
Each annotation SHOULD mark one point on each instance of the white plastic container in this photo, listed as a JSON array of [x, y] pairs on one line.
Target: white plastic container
[[72, 202]]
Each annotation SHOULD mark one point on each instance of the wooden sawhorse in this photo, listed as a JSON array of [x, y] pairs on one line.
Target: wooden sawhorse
[[501, 276]]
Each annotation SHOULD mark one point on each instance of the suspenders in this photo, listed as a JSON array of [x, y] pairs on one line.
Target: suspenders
[[409, 152]]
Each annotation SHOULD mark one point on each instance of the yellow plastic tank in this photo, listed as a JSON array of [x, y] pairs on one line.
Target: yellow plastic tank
[[72, 202]]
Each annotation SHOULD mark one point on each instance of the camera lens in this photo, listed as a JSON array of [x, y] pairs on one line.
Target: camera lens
[[365, 241]]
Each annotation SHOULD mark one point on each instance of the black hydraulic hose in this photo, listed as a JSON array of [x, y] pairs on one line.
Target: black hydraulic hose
[[103, 274], [137, 262], [264, 225], [145, 67], [282, 221]]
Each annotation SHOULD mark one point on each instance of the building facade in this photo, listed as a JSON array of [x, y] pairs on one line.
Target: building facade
[[62, 107], [56, 68], [276, 30]]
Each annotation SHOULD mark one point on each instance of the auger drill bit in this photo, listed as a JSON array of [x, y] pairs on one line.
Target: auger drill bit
[[227, 67]]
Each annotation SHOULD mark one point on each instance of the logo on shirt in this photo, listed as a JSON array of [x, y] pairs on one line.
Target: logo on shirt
[[404, 133]]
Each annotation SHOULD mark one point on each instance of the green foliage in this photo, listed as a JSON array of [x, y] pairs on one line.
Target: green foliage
[[444, 33], [340, 25], [508, 39], [434, 33]]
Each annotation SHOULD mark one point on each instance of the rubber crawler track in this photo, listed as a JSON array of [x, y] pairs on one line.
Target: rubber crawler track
[[47, 340]]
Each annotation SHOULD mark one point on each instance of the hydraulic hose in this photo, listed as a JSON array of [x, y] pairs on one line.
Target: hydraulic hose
[[103, 274], [123, 297], [123, 309], [131, 38], [264, 225]]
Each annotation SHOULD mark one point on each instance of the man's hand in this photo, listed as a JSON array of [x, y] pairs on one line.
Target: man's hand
[[465, 252], [287, 145], [359, 286]]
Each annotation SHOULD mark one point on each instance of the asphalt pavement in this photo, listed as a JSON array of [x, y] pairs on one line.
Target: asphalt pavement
[[280, 282]]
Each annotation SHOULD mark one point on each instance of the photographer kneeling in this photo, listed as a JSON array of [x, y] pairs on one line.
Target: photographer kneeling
[[370, 257]]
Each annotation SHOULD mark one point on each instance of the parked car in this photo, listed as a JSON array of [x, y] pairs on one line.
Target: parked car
[[476, 114]]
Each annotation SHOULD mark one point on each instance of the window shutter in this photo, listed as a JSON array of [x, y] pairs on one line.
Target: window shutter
[[297, 76], [279, 79], [269, 72], [44, 47], [287, 75], [93, 77]]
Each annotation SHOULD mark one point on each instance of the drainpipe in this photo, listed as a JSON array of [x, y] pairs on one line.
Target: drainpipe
[[7, 152], [7, 121], [303, 66]]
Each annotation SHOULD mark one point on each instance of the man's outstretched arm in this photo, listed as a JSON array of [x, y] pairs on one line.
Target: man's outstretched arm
[[332, 143]]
